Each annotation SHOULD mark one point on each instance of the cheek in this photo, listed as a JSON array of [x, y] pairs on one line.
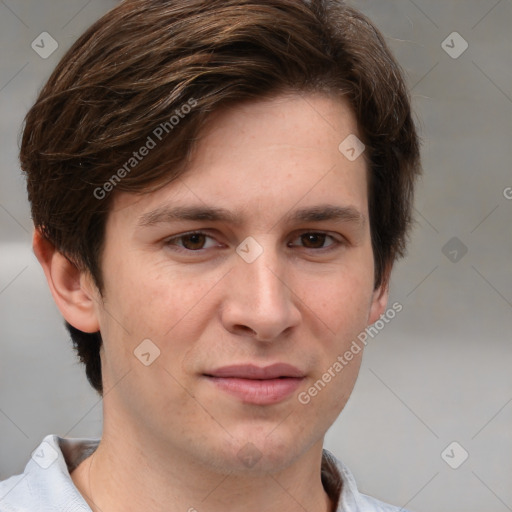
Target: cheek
[[153, 300], [341, 301]]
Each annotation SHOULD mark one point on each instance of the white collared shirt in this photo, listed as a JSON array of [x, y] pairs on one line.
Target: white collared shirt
[[46, 484]]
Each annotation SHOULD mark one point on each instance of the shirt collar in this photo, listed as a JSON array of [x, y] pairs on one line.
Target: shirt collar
[[46, 483]]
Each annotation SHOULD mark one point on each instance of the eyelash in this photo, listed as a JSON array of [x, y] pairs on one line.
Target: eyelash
[[170, 242]]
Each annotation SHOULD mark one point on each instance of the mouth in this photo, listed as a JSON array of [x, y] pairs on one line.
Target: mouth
[[257, 385]]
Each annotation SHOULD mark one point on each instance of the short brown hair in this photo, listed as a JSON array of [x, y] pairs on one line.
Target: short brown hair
[[141, 63]]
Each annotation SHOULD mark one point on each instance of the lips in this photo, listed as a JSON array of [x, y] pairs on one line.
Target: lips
[[249, 371], [257, 385]]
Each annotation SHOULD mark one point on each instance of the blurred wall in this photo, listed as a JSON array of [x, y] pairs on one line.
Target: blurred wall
[[437, 374]]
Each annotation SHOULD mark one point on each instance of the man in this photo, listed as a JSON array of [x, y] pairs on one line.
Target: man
[[219, 191]]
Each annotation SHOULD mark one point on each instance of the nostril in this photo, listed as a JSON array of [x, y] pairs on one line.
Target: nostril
[[245, 329]]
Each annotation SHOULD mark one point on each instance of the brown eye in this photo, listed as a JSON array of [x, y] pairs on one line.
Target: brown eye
[[194, 241], [313, 240]]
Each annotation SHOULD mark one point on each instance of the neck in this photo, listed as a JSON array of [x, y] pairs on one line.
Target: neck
[[129, 474]]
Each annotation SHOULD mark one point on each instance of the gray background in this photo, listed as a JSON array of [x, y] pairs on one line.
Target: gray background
[[438, 373]]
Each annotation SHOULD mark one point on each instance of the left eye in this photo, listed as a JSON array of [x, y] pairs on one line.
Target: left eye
[[315, 240]]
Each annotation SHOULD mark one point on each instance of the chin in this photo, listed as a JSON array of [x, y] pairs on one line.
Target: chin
[[271, 451]]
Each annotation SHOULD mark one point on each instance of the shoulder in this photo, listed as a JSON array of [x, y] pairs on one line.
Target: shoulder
[[45, 484], [11, 491], [348, 497]]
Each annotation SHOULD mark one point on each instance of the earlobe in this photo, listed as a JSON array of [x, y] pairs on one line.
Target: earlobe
[[380, 297], [379, 303], [71, 288]]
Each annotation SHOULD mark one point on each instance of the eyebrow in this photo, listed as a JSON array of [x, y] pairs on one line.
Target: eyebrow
[[327, 212], [319, 213]]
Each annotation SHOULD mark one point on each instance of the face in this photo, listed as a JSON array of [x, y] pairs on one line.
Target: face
[[249, 275]]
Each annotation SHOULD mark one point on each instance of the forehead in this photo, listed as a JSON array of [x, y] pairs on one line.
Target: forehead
[[260, 157]]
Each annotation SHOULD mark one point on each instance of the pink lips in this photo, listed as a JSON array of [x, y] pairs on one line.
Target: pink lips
[[257, 385]]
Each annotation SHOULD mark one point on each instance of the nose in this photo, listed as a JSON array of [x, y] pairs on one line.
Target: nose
[[259, 301]]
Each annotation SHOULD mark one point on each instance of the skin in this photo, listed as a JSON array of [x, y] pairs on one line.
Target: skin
[[171, 437]]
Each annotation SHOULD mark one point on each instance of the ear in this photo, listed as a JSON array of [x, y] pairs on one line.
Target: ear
[[380, 298], [72, 289]]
